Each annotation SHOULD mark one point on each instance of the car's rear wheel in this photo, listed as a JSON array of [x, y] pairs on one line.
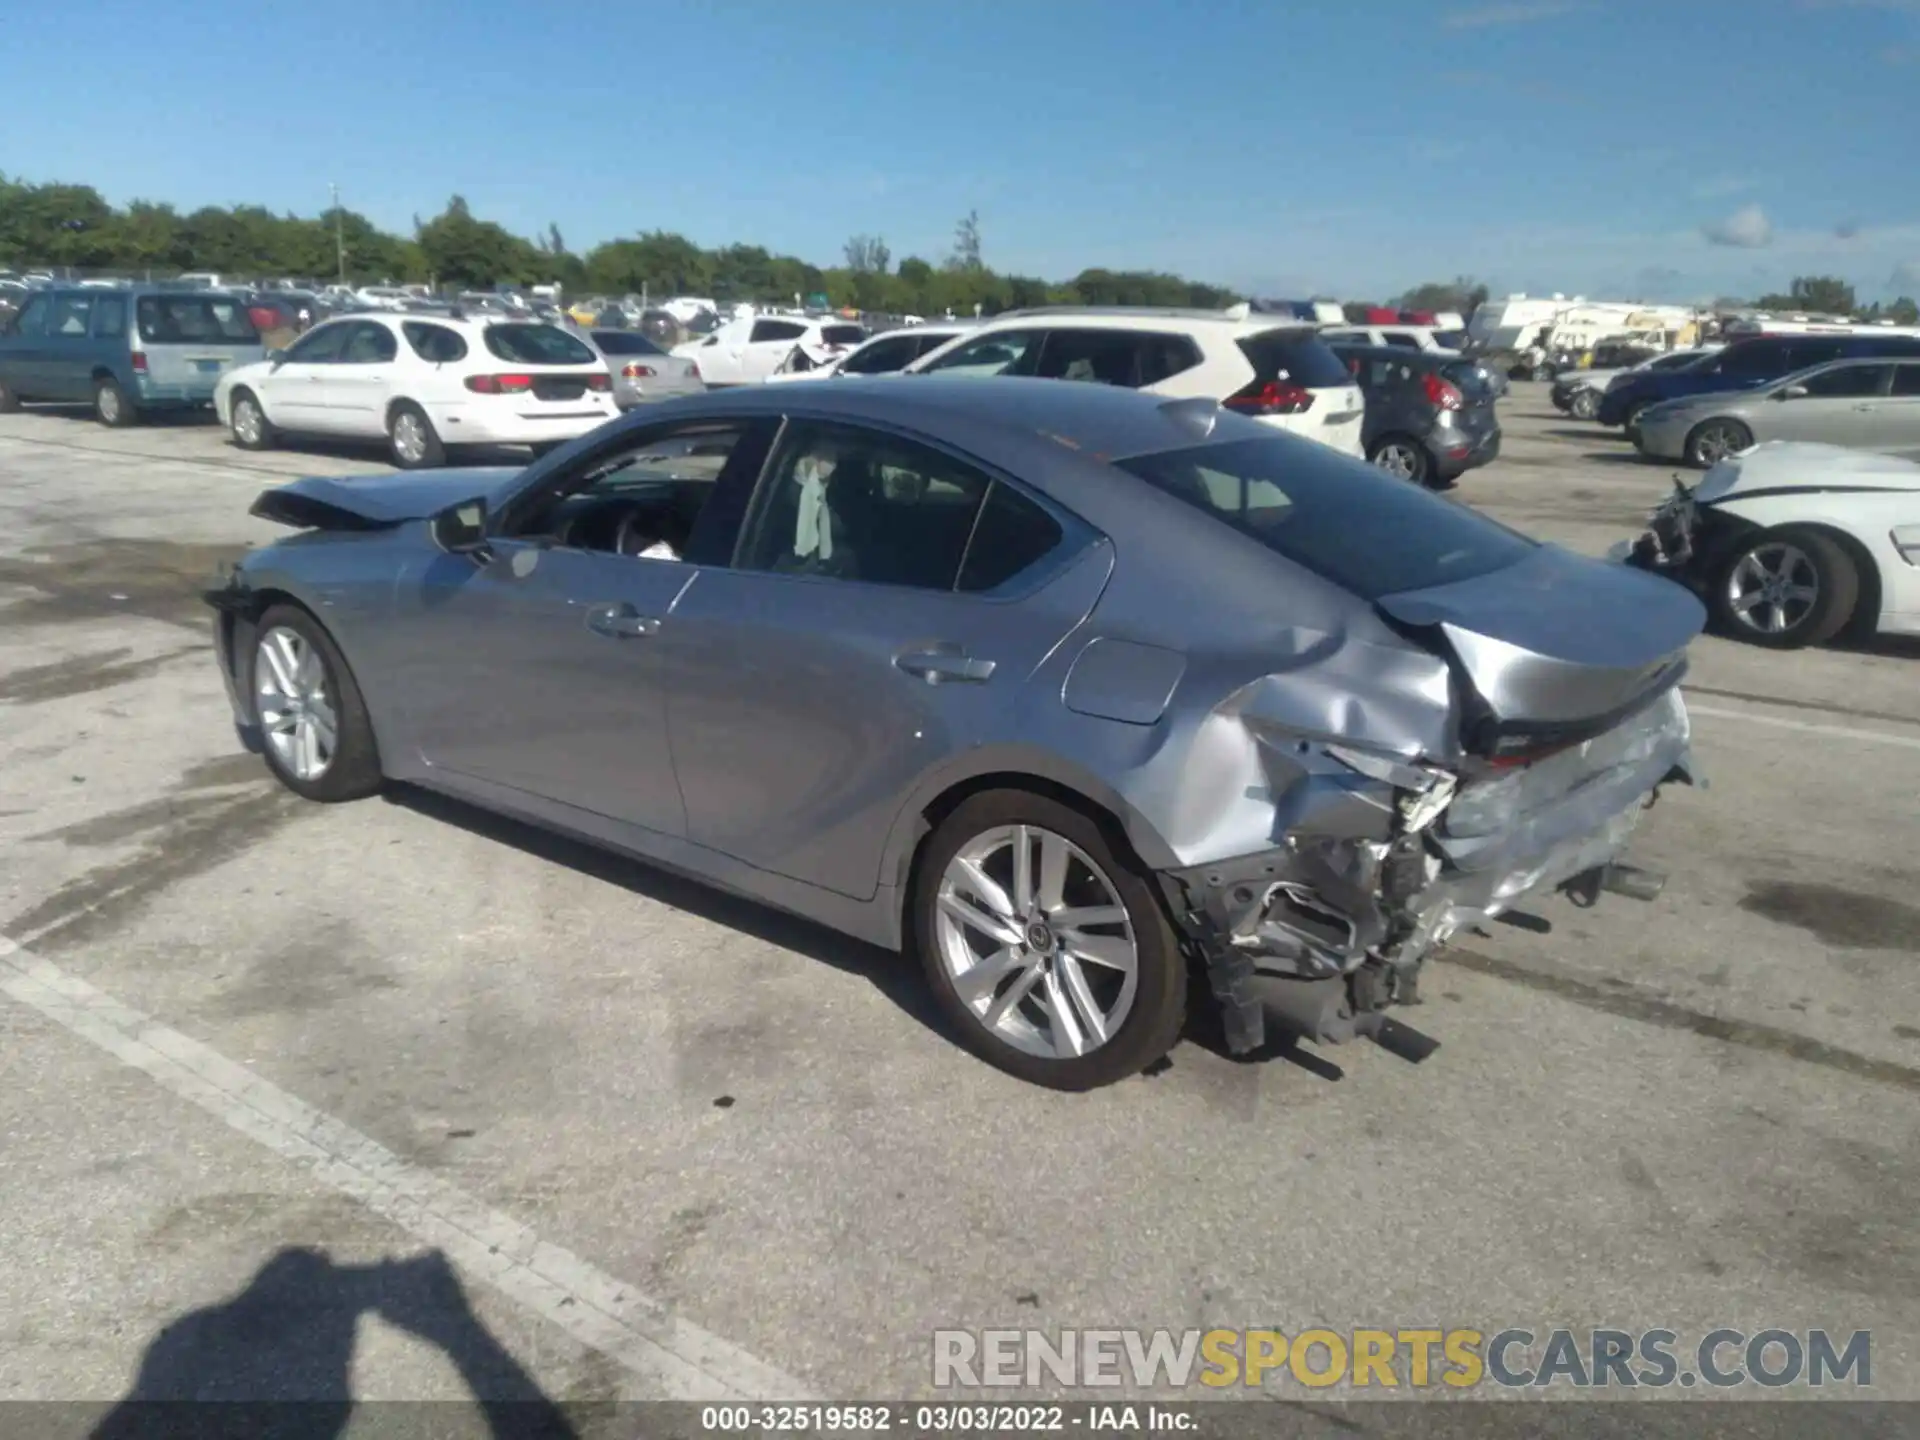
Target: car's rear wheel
[[111, 406], [9, 401], [1585, 404], [1049, 952], [1787, 588], [313, 722], [1712, 441], [412, 438], [248, 423], [1403, 456]]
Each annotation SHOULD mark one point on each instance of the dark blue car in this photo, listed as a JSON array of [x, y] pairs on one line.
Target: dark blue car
[[1741, 366]]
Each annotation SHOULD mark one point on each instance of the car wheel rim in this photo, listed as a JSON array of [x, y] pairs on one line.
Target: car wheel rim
[[109, 403], [410, 438], [1398, 460], [1715, 444], [1036, 942], [1583, 406], [246, 420], [293, 703], [1772, 588]]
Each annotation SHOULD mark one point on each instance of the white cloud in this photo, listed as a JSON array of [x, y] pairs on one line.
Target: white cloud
[[1746, 229], [1522, 12]]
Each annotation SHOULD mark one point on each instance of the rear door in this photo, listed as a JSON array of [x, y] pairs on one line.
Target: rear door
[[886, 603], [1898, 423], [1841, 406]]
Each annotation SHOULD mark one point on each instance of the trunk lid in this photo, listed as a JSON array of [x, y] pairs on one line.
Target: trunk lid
[[1553, 648]]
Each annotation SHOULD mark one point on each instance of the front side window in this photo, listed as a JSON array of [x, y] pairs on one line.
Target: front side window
[[854, 504], [32, 319], [1342, 519], [110, 317], [537, 345], [72, 315], [435, 344], [369, 344], [1007, 352], [319, 346], [1847, 382]]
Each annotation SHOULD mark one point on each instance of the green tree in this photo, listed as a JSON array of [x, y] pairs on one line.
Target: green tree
[[1463, 295], [1819, 294], [461, 250], [966, 244]]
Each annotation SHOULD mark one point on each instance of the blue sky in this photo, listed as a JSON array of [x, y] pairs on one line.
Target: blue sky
[[1351, 147]]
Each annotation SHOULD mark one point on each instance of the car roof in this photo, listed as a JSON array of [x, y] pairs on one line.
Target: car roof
[[1150, 318]]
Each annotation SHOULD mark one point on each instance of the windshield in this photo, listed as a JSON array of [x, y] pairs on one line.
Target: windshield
[[537, 345], [1364, 530], [194, 320]]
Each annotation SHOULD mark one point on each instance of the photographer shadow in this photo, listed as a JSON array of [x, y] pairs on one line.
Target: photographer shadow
[[275, 1361]]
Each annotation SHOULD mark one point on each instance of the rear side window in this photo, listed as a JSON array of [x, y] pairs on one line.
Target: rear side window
[[883, 357], [1342, 519], [841, 335], [625, 342], [1802, 353], [764, 330], [194, 320], [537, 345], [1400, 338], [1450, 339], [1128, 358], [1011, 535], [110, 317], [1906, 379], [435, 344], [1293, 355]]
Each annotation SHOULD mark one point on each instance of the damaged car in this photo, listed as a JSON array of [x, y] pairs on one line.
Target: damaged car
[[1068, 691], [1793, 543]]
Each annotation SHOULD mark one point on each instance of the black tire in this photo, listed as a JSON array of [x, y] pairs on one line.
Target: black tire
[[111, 406], [9, 400], [1584, 405], [1415, 464], [1713, 440], [1836, 581], [267, 438], [1153, 1024], [354, 770], [431, 454]]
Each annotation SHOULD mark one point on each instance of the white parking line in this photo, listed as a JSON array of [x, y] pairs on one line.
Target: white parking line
[[671, 1358], [1838, 732]]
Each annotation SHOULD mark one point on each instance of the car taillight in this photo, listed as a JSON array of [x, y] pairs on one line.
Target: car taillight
[[637, 372], [1441, 392], [600, 381], [139, 362], [264, 318], [1271, 397], [500, 384]]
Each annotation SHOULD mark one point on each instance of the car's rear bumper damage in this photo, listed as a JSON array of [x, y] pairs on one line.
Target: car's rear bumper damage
[[1333, 926]]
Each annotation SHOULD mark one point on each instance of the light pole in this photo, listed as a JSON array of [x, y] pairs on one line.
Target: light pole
[[339, 239]]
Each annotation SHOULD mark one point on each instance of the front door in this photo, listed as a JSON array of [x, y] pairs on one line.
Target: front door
[[768, 345], [23, 356], [356, 387], [868, 631], [294, 390]]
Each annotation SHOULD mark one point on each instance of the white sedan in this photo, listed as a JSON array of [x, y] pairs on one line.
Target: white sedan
[[422, 384], [1791, 543], [887, 353]]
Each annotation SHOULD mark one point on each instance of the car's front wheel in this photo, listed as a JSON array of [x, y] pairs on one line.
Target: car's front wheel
[[1712, 441], [1585, 404], [1787, 588], [313, 722], [248, 423], [1398, 455], [412, 438], [1048, 951]]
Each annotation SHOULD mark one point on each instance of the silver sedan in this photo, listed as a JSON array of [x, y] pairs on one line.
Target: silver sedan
[[1866, 404], [1060, 688], [642, 372]]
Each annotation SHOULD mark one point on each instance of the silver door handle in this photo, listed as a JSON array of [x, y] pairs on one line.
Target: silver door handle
[[939, 667], [620, 622], [1866, 407]]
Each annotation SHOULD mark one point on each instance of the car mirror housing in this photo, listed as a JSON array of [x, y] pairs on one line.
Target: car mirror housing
[[461, 529], [1792, 392]]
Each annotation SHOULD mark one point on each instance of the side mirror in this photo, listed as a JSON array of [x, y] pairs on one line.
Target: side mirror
[[461, 529], [1792, 392], [277, 355]]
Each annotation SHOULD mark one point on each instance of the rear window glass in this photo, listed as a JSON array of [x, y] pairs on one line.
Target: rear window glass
[[1342, 519], [537, 345], [1294, 355], [1469, 377], [625, 342], [841, 334], [1450, 339], [194, 320]]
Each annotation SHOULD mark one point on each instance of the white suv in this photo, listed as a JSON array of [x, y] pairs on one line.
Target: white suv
[[421, 383], [1281, 373], [748, 350]]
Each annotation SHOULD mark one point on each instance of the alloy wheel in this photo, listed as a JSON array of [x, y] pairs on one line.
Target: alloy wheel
[[1397, 459], [1036, 941], [109, 403], [1716, 442], [1772, 588], [409, 437], [294, 703], [247, 420]]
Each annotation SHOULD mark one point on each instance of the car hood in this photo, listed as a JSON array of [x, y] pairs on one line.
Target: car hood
[[1556, 646], [1795, 465], [374, 502]]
